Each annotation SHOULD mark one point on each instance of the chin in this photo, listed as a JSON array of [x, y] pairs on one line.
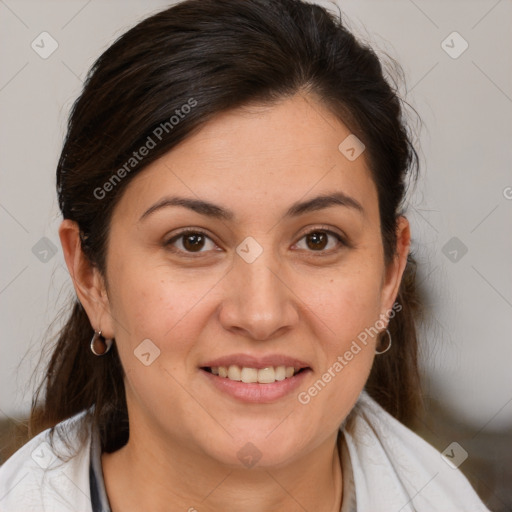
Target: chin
[[257, 450]]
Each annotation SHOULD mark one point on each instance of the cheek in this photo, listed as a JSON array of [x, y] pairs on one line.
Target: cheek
[[151, 302], [346, 310], [349, 303], [349, 307]]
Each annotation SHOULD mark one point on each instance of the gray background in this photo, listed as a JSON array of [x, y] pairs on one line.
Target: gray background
[[463, 201]]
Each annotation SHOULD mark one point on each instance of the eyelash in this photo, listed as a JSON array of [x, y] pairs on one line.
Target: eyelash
[[342, 241]]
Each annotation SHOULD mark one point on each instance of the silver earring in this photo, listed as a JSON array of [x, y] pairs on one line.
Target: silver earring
[[100, 345], [388, 347]]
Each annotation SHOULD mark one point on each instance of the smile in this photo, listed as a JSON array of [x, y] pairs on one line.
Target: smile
[[249, 375], [255, 385]]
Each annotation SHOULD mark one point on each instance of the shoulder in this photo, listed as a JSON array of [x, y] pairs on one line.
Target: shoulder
[[49, 474], [390, 461]]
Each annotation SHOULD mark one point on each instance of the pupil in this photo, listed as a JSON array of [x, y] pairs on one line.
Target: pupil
[[197, 241], [318, 239]]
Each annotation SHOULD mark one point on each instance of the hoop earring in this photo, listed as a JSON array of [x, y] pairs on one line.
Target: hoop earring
[[100, 345], [388, 347]]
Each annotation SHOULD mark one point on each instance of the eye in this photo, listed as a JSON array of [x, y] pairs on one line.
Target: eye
[[193, 241], [317, 240], [190, 241]]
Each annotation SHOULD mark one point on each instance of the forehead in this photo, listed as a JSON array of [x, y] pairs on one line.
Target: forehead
[[257, 159]]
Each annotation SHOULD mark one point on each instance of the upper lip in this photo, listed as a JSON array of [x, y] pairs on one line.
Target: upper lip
[[248, 361]]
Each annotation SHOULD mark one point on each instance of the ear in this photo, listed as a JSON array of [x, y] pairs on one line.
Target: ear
[[395, 270], [87, 280]]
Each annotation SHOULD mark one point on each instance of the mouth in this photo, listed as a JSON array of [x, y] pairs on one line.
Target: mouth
[[256, 380], [249, 375]]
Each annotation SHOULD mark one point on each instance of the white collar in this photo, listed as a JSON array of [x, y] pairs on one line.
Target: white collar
[[392, 469], [395, 469]]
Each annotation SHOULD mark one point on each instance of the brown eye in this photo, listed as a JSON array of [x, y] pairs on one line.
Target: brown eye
[[189, 242], [193, 242], [318, 240]]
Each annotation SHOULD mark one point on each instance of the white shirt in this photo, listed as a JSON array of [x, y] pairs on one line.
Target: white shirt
[[385, 466]]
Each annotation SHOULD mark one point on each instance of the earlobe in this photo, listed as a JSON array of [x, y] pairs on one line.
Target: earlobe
[[87, 280]]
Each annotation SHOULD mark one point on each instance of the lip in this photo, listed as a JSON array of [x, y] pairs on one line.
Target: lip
[[250, 361], [255, 392]]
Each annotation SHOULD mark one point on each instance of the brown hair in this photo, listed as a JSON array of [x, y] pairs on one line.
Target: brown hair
[[218, 55]]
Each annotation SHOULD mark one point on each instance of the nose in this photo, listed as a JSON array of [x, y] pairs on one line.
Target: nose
[[259, 302]]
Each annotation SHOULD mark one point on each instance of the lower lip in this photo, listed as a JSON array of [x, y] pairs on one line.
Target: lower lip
[[254, 392]]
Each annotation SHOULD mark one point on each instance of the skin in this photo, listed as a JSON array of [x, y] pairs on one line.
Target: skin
[[292, 300]]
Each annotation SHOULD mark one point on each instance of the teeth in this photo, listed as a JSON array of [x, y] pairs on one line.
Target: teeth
[[252, 375], [234, 372], [280, 373], [266, 375], [249, 375]]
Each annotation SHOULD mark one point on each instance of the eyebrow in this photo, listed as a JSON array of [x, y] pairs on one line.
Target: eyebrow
[[299, 208]]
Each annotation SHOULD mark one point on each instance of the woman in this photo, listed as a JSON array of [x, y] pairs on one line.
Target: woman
[[244, 331]]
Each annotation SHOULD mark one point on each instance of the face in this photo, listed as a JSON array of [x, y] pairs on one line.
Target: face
[[264, 276]]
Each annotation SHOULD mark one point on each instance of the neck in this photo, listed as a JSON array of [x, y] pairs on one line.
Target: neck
[[140, 476]]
